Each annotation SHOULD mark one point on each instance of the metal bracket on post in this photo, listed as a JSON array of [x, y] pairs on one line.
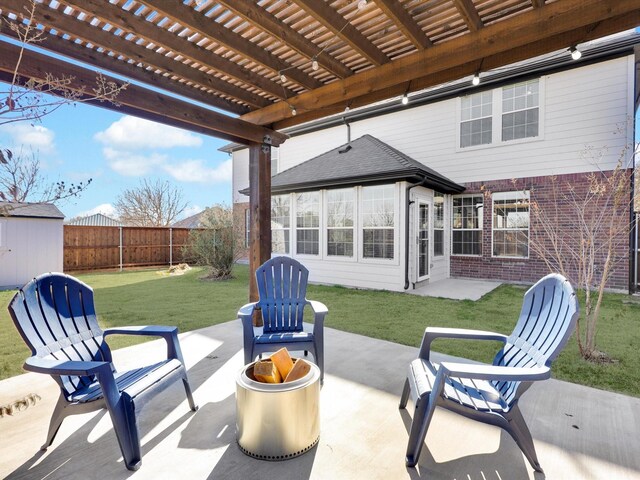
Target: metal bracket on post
[[266, 144]]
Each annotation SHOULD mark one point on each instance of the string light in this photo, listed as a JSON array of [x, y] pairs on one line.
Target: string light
[[346, 109], [476, 79], [294, 112], [283, 78], [575, 53], [405, 99], [314, 63], [362, 4]]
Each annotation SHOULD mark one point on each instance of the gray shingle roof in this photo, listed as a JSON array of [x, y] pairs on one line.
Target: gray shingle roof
[[95, 220], [33, 210], [361, 161], [190, 222]]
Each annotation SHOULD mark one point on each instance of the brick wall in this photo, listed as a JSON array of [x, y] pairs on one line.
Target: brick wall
[[239, 227], [531, 269]]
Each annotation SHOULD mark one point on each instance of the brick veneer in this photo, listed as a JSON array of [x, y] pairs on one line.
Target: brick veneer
[[531, 269]]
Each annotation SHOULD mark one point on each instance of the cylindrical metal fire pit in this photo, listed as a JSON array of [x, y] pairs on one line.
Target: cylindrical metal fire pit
[[277, 421]]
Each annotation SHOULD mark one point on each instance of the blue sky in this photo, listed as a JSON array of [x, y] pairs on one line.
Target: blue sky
[[117, 151]]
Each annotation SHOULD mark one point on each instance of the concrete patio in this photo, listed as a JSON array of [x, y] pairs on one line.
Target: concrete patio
[[579, 432]]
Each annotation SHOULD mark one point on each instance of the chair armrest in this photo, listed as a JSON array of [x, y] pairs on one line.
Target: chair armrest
[[64, 367], [168, 333], [431, 333], [494, 372], [319, 312], [247, 310]]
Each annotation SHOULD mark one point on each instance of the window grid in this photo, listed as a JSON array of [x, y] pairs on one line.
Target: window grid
[[308, 223], [511, 224], [340, 218], [280, 223], [520, 113], [476, 119], [378, 222], [466, 225]]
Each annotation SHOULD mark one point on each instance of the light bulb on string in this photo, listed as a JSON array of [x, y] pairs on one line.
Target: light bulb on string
[[283, 78], [476, 79], [314, 64], [405, 99], [575, 53], [362, 4]]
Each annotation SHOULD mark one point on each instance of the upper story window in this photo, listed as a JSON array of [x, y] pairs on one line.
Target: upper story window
[[280, 223], [520, 115], [340, 217], [501, 115], [378, 221], [466, 225], [438, 225], [475, 119], [511, 224], [308, 223]]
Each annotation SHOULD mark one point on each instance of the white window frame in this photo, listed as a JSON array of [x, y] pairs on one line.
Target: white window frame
[[396, 237], [480, 222], [319, 227], [496, 110], [444, 224], [289, 229], [325, 251], [522, 194], [503, 112]]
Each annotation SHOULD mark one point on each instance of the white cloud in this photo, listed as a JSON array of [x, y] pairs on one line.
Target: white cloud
[[105, 209], [196, 171], [131, 164], [37, 137], [134, 133]]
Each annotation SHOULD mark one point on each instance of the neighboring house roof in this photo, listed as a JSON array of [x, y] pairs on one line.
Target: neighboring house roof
[[190, 222], [95, 220], [361, 161], [593, 51], [30, 210]]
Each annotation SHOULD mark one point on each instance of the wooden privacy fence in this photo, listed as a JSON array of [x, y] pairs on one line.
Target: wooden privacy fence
[[96, 248]]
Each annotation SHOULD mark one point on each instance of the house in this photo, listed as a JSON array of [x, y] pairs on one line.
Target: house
[[192, 221], [95, 220], [398, 194], [31, 242]]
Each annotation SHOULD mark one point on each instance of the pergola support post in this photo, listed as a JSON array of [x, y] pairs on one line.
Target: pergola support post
[[260, 213]]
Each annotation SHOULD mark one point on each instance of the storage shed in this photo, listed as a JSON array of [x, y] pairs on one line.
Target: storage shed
[[31, 242]]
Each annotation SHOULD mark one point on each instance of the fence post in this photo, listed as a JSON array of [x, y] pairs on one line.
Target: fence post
[[121, 247], [170, 247]]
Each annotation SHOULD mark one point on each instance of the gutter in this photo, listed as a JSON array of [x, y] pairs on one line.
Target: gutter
[[406, 231]]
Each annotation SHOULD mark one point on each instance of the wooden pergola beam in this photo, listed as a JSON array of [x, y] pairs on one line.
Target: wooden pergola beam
[[197, 22], [405, 22], [335, 22], [136, 100], [257, 15], [140, 27], [537, 3], [96, 36], [105, 62], [470, 14], [493, 40], [607, 27]]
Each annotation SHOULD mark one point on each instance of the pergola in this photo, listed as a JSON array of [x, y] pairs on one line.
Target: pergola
[[272, 64]]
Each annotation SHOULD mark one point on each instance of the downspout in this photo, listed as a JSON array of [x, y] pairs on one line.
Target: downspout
[[346, 122], [406, 231]]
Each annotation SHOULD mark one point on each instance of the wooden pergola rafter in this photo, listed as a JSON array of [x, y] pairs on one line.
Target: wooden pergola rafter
[[279, 63]]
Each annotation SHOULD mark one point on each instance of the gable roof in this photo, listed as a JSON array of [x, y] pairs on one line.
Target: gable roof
[[95, 220], [365, 160], [190, 222], [30, 210]]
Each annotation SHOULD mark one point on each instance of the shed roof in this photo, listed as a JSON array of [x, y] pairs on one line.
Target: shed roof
[[190, 222], [365, 160], [32, 210]]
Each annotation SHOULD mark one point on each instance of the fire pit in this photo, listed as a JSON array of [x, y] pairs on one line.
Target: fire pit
[[277, 421]]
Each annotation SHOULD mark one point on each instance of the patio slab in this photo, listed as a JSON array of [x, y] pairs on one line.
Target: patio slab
[[456, 289], [579, 432]]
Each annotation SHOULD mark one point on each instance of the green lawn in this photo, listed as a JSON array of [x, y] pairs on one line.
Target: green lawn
[[144, 297]]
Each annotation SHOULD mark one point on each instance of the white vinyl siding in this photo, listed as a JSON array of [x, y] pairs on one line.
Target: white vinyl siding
[[510, 231]]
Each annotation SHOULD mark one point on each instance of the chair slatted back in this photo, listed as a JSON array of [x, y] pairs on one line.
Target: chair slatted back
[[548, 317], [55, 316], [282, 286]]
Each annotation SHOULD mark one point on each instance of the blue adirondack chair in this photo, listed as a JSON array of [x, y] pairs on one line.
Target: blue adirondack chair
[[282, 289], [56, 317], [490, 393]]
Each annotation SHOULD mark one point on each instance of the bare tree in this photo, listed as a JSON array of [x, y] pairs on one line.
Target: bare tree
[[583, 233], [32, 99], [22, 181], [152, 204]]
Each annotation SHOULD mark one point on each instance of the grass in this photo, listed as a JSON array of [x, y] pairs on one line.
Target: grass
[[144, 297]]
